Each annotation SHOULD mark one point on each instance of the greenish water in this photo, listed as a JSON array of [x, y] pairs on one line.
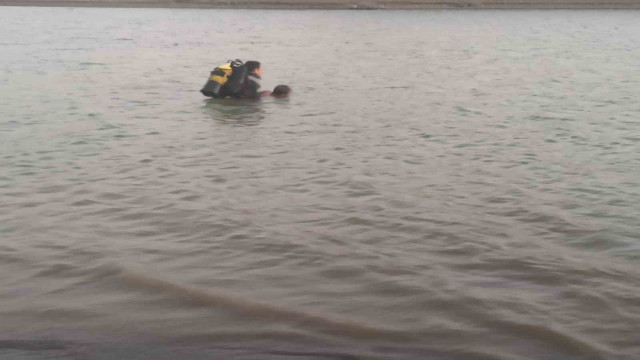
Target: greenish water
[[440, 185]]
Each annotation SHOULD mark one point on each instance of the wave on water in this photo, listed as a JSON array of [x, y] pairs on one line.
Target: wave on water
[[217, 298]]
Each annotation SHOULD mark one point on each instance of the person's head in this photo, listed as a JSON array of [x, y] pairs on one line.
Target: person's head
[[254, 67], [281, 91]]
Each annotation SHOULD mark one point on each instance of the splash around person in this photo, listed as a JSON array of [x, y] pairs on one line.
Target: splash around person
[[241, 81]]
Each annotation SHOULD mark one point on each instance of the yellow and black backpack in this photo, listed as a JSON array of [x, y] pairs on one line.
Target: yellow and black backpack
[[225, 80]]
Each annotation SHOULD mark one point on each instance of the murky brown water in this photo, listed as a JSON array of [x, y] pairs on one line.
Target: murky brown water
[[441, 185]]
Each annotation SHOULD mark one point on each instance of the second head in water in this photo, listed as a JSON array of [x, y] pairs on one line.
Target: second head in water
[[281, 91]]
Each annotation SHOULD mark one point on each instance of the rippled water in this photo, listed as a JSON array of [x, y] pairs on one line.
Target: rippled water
[[441, 185]]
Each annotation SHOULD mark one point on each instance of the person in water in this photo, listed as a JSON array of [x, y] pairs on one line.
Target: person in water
[[240, 81], [281, 91], [251, 86]]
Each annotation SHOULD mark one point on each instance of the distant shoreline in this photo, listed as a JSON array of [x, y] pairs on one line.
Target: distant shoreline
[[339, 4]]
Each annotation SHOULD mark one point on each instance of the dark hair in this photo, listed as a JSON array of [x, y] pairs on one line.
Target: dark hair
[[252, 65], [281, 91]]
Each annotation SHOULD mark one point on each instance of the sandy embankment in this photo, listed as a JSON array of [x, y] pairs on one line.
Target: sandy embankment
[[340, 4]]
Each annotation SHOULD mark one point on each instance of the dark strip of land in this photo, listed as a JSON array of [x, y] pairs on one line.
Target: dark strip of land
[[339, 4]]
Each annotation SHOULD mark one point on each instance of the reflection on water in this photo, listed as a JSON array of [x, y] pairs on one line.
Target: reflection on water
[[235, 111]]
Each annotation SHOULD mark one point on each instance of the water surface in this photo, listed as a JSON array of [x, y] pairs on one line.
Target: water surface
[[441, 185]]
